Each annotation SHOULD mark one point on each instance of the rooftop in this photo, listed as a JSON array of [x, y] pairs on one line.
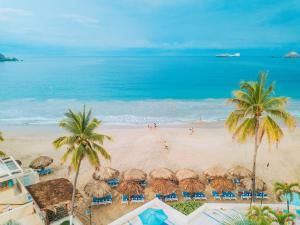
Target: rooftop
[[49, 194], [9, 168]]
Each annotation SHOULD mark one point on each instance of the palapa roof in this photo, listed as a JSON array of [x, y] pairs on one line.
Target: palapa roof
[[134, 175], [105, 173], [130, 188], [163, 187], [260, 185], [41, 162], [97, 189], [183, 174], [51, 193], [162, 173], [203, 178], [239, 172], [222, 184], [191, 185], [215, 171]]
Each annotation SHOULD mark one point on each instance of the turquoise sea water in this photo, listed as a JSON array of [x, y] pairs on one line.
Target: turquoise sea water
[[135, 89]]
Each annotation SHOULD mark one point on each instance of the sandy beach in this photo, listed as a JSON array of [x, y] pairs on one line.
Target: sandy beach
[[142, 148]]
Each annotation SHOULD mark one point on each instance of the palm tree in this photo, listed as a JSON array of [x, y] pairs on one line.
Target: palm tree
[[282, 218], [2, 153], [238, 219], [261, 215], [286, 190], [257, 109], [83, 142]]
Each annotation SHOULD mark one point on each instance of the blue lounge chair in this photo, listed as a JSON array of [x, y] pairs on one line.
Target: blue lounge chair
[[124, 199], [113, 182], [261, 195], [186, 195], [171, 197], [216, 195], [142, 183], [159, 196], [199, 196], [245, 195], [231, 195], [237, 181]]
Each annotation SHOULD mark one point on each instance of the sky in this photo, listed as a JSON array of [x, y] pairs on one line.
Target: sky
[[169, 24]]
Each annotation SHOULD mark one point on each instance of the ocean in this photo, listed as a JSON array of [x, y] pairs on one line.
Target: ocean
[[135, 90]]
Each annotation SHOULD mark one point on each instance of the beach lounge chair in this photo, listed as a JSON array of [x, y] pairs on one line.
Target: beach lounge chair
[[186, 195], [158, 196], [199, 196], [124, 199], [231, 195], [142, 183], [113, 182], [261, 195], [171, 197], [225, 196], [43, 172], [237, 181], [216, 195], [108, 199]]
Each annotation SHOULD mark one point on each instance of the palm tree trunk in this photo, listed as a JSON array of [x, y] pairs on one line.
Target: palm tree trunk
[[288, 205], [73, 194], [256, 146]]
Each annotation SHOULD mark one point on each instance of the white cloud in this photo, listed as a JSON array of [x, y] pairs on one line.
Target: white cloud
[[85, 20], [7, 14]]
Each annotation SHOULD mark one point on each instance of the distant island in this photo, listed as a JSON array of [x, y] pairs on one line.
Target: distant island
[[3, 58]]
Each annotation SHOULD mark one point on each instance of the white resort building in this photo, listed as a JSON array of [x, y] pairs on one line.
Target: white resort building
[[16, 205], [26, 201]]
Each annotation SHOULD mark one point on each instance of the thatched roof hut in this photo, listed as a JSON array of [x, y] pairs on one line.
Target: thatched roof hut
[[134, 175], [163, 187], [222, 184], [97, 189], [239, 172], [51, 193], [163, 173], [130, 188], [215, 171], [105, 173], [183, 174], [41, 162], [260, 185], [191, 185]]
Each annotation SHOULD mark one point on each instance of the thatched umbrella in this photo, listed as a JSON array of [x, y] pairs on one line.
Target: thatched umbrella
[[130, 188], [163, 187], [41, 162], [239, 172], [222, 184], [97, 189], [202, 178], [134, 175], [191, 185], [183, 174], [260, 185], [163, 173], [215, 171], [105, 173]]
